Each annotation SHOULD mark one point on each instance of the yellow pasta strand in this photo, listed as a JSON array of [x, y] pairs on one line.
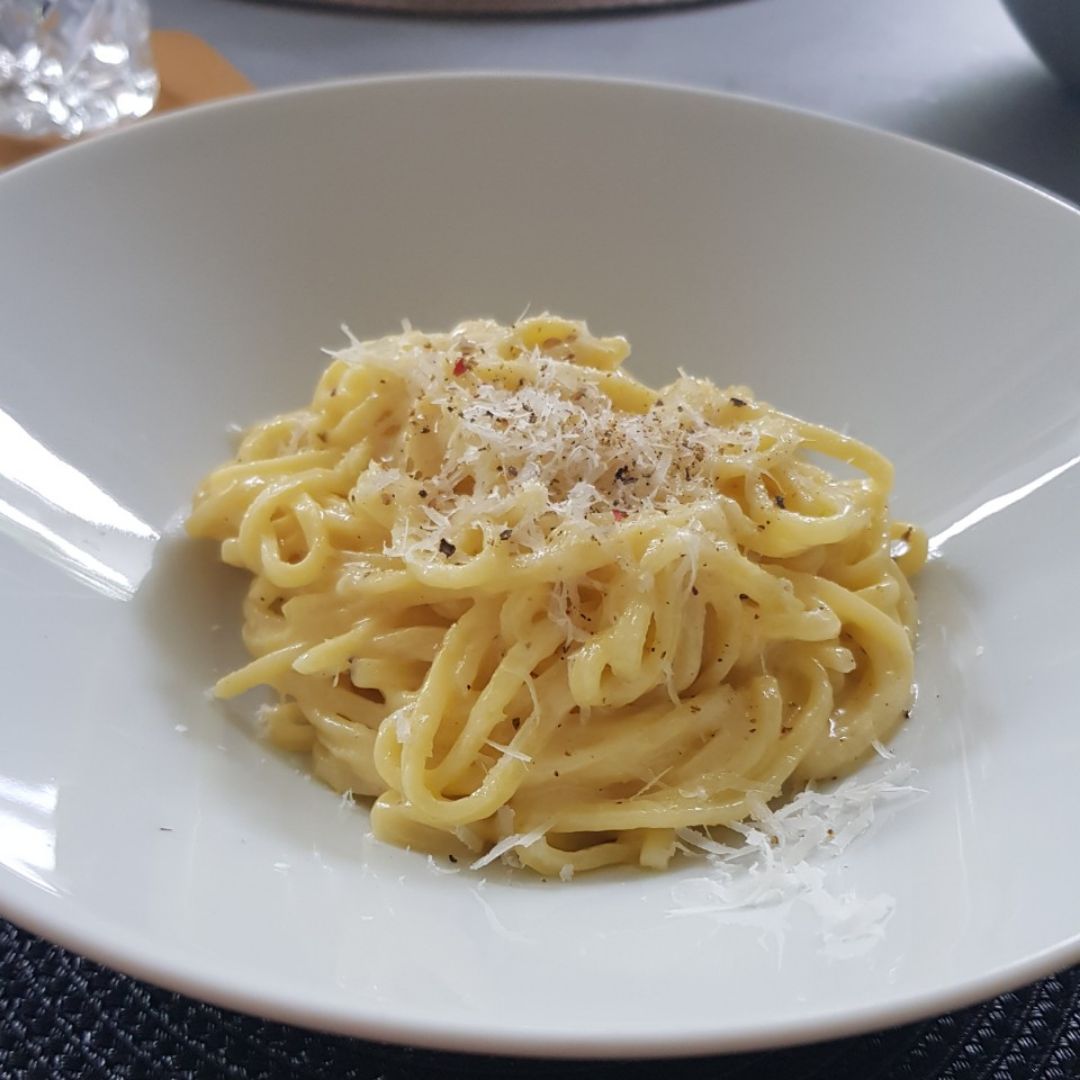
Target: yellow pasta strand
[[532, 607]]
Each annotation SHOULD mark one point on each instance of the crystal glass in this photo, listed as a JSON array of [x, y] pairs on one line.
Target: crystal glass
[[68, 67]]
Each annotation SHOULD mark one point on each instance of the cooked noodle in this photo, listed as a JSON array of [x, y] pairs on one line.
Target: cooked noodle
[[538, 610]]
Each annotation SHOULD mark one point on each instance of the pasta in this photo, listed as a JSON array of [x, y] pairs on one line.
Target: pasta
[[536, 610]]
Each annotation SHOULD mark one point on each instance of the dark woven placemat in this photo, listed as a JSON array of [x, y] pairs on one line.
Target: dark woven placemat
[[62, 1016]]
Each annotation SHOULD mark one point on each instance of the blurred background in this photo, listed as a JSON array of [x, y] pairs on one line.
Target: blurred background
[[957, 73]]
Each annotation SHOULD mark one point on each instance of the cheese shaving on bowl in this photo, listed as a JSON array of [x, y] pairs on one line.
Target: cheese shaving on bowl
[[778, 860]]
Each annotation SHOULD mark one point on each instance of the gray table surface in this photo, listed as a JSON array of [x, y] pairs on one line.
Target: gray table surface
[[952, 72]]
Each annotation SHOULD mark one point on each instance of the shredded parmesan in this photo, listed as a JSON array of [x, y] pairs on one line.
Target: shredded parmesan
[[508, 844], [882, 750], [509, 751], [468, 837], [263, 713], [579, 455], [439, 869], [772, 863], [402, 722]]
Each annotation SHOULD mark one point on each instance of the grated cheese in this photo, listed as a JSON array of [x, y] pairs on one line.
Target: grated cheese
[[771, 865], [468, 837], [509, 751], [508, 843], [882, 750], [530, 439], [439, 869]]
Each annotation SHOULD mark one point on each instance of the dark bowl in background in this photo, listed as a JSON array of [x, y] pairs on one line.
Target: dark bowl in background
[[1052, 28]]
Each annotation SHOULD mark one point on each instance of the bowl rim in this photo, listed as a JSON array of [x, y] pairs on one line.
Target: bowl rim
[[257, 98]]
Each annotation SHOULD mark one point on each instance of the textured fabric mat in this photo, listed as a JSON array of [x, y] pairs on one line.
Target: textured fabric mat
[[64, 1017]]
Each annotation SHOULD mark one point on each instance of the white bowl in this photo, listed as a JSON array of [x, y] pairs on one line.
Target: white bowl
[[160, 284]]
